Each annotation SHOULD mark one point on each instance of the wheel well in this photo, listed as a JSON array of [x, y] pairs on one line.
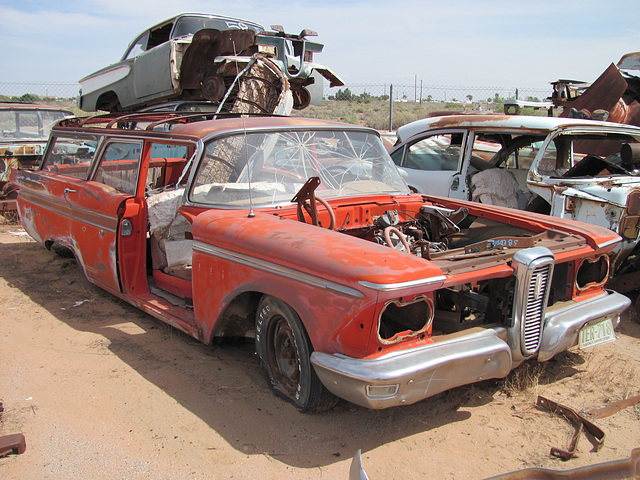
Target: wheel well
[[108, 102], [60, 249], [239, 317]]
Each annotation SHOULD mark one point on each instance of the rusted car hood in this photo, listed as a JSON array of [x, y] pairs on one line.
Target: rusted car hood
[[310, 248]]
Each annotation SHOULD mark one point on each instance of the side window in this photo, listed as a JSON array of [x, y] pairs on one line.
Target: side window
[[158, 36], [70, 156], [437, 152], [119, 166], [138, 47], [485, 147], [512, 151], [555, 159], [523, 151], [166, 165], [520, 156], [397, 156]]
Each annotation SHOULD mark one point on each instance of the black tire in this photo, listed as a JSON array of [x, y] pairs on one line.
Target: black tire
[[284, 350]]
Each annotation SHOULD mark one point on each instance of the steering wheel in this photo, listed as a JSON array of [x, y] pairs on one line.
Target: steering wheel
[[309, 209]]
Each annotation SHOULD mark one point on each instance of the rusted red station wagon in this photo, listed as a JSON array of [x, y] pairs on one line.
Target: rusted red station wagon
[[303, 234]]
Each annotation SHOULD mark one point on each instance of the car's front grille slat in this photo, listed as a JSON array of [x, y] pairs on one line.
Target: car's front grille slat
[[532, 319]]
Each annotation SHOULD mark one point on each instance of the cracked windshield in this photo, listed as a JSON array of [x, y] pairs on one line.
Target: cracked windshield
[[269, 168]]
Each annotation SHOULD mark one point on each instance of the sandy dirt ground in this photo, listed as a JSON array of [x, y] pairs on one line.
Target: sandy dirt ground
[[103, 391]]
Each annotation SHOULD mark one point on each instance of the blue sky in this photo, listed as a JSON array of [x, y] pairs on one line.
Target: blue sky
[[493, 43]]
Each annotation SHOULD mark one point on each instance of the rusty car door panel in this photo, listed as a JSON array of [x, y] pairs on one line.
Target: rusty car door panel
[[94, 228]]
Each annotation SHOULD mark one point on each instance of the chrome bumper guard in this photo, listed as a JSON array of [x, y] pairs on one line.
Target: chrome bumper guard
[[406, 377], [562, 325]]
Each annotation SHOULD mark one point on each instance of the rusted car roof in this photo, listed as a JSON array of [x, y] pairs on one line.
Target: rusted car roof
[[29, 106], [191, 125], [540, 125]]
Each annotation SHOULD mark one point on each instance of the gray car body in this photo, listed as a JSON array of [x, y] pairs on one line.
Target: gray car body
[[151, 69]]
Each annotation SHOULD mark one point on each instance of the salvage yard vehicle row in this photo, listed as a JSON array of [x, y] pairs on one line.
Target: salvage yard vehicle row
[[302, 234]]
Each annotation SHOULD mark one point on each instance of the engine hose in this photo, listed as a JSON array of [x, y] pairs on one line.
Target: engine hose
[[403, 240]]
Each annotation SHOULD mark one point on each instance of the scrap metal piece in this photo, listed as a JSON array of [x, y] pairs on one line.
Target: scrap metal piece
[[449, 219], [604, 94], [578, 420], [307, 193], [356, 472], [612, 408], [15, 444], [617, 469]]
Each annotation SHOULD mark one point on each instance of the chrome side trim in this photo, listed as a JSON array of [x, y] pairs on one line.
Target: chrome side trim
[[388, 287], [95, 219], [607, 243], [274, 268]]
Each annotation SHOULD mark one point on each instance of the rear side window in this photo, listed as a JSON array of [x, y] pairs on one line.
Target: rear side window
[[437, 152], [70, 156], [167, 163], [119, 166]]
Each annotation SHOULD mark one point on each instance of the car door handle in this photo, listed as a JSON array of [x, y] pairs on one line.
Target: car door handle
[[69, 190]]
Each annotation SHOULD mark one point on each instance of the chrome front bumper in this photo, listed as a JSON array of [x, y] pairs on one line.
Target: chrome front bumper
[[562, 325], [405, 377]]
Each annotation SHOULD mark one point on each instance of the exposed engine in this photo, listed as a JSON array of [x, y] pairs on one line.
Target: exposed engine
[[421, 237]]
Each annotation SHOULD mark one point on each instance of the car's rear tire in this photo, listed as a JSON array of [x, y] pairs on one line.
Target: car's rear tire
[[61, 250], [284, 350]]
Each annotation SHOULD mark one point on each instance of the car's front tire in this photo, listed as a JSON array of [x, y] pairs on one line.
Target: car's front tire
[[284, 350]]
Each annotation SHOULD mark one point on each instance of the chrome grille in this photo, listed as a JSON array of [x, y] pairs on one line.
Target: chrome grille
[[535, 308]]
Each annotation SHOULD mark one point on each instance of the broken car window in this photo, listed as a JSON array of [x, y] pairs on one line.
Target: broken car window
[[139, 46], [586, 155], [269, 168]]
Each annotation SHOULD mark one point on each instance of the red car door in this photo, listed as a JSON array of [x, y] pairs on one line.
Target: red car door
[[97, 206]]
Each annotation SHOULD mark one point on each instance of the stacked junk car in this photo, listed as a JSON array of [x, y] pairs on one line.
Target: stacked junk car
[[190, 62]]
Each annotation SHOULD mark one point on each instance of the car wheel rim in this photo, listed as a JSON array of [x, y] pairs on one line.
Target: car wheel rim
[[283, 356]]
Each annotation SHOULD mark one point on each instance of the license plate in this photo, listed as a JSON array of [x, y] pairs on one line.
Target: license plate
[[596, 334]]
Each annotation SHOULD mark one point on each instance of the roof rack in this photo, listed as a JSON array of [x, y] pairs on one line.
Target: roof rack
[[116, 120]]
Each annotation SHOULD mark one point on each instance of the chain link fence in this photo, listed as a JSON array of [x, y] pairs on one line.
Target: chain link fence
[[388, 106], [381, 106]]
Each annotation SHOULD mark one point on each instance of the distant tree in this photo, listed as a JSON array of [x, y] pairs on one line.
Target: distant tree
[[343, 95], [29, 98], [364, 97], [469, 97], [496, 99]]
